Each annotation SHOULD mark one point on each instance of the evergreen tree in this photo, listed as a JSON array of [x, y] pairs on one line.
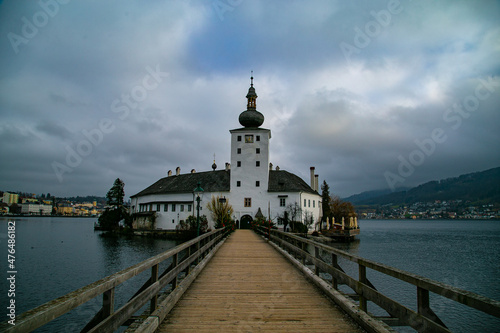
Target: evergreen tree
[[325, 202], [111, 217], [115, 195]]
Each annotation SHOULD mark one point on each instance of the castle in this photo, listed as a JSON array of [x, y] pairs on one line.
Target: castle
[[248, 183]]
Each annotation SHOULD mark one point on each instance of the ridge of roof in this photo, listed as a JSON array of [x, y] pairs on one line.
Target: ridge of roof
[[220, 180]]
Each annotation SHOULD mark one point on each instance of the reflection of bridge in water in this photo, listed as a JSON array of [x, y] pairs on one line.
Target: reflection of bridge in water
[[241, 282]]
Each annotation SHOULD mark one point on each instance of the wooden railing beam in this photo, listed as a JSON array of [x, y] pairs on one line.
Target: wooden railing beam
[[423, 319], [41, 315], [470, 299]]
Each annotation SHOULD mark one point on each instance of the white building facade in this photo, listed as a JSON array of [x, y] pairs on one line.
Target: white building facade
[[36, 209], [248, 183]]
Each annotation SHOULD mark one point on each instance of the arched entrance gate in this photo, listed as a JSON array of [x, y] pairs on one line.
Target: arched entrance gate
[[245, 222]]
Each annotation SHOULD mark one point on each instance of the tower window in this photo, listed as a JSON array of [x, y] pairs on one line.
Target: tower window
[[249, 138], [257, 163], [257, 150], [239, 151], [257, 183], [248, 202], [257, 138], [238, 164], [238, 183], [239, 137]]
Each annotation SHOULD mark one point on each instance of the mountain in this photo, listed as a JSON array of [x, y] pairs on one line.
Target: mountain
[[371, 195], [478, 187]]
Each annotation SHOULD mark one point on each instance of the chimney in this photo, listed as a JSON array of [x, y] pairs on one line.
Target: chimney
[[277, 168], [312, 178], [270, 166], [193, 171], [228, 166], [177, 171], [316, 182], [169, 173]]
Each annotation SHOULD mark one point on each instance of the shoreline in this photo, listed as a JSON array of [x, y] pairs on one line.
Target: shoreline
[[72, 216]]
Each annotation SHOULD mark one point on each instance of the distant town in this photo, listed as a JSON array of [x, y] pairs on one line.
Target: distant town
[[452, 209], [32, 204]]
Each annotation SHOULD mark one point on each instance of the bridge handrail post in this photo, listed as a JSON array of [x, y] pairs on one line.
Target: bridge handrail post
[[317, 256], [108, 302], [334, 264], [154, 278], [302, 246], [363, 304], [175, 262]]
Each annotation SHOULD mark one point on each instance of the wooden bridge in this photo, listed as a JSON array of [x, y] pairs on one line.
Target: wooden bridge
[[250, 287], [244, 282]]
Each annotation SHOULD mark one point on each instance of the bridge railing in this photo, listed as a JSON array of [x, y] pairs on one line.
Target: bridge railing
[[184, 259], [423, 319]]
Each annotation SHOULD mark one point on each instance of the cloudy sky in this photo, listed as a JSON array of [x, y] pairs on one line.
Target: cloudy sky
[[374, 94]]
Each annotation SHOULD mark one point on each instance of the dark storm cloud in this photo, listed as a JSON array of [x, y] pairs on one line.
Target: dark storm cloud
[[348, 87]]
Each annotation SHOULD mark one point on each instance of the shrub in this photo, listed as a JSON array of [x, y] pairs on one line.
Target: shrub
[[189, 228], [298, 227]]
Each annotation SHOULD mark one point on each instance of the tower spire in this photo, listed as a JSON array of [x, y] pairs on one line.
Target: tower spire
[[251, 96], [214, 166], [251, 117]]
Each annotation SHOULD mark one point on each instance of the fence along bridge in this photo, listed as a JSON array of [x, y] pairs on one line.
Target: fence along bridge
[[223, 282]]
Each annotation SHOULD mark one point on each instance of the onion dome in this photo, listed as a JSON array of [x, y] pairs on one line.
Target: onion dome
[[251, 117], [214, 166]]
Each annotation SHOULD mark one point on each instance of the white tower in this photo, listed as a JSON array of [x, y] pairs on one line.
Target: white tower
[[250, 160]]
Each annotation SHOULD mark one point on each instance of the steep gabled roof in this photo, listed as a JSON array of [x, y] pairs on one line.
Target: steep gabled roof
[[219, 181], [284, 181], [211, 181]]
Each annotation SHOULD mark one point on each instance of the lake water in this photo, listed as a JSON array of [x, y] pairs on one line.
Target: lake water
[[462, 253], [55, 256]]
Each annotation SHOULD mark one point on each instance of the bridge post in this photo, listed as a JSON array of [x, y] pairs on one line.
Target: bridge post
[[188, 269], [303, 248], [424, 308], [363, 305], [108, 302], [316, 255], [175, 261], [334, 264], [154, 278]]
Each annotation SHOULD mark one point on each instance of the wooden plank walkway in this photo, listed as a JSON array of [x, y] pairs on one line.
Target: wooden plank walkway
[[249, 287]]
